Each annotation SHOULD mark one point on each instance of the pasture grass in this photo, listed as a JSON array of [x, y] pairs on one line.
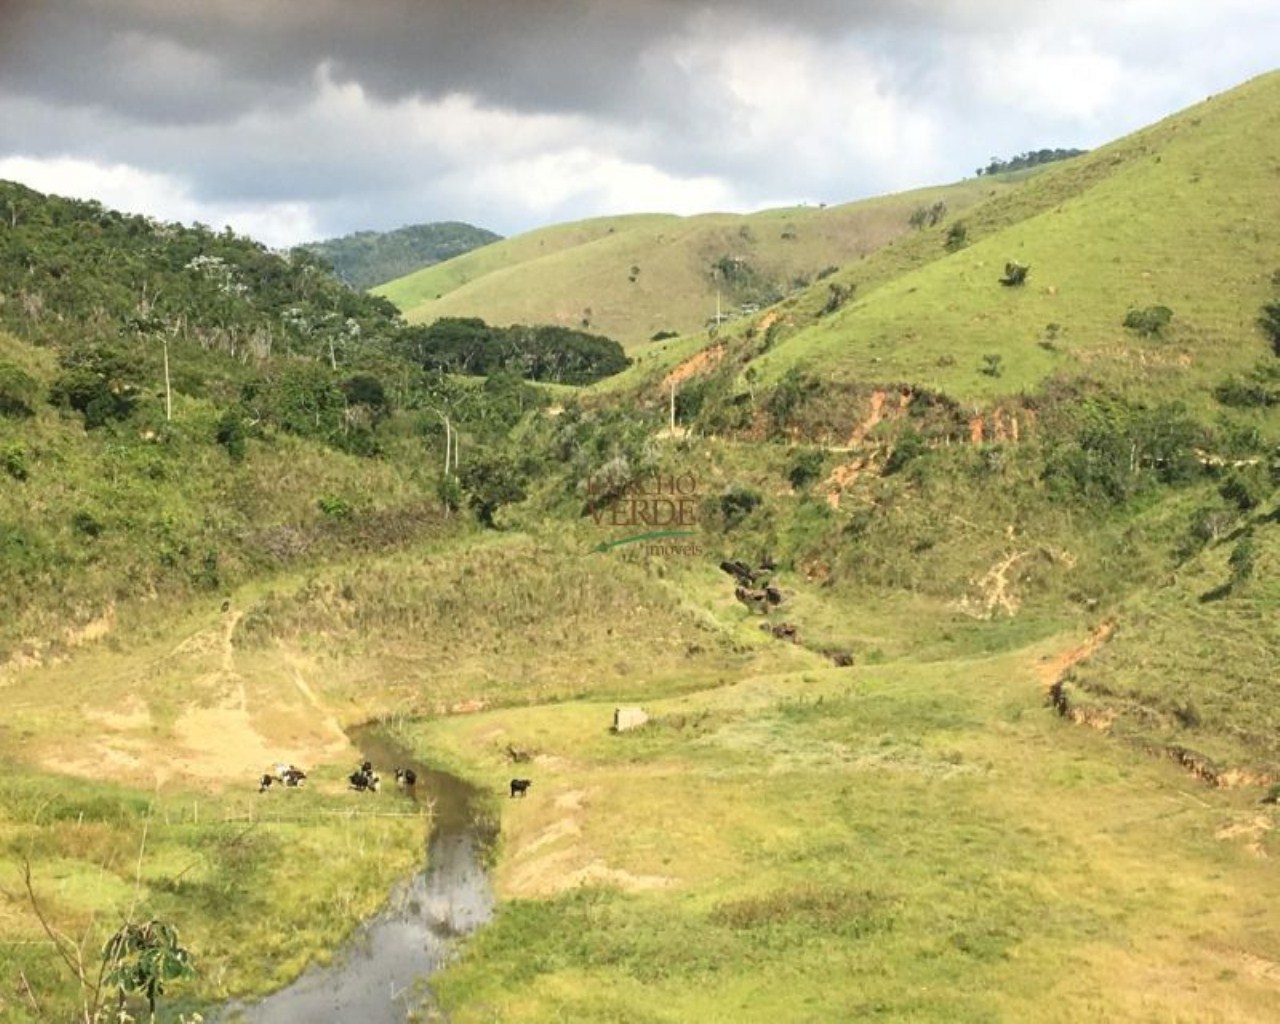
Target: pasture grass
[[258, 887], [1192, 661], [1172, 215], [632, 277], [923, 842]]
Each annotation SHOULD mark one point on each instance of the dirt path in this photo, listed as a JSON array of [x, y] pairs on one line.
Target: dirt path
[[695, 364], [845, 474], [1051, 671]]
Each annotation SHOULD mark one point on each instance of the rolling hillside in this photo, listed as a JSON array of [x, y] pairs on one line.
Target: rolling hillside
[[633, 277], [1177, 215], [990, 734]]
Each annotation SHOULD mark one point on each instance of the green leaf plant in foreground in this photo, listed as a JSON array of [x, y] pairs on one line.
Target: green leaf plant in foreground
[[143, 958]]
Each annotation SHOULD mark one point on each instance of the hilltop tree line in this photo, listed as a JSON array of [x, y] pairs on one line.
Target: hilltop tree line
[[467, 345], [369, 258], [1031, 158]]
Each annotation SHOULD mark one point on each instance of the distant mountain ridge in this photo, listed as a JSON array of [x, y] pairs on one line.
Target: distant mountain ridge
[[365, 259]]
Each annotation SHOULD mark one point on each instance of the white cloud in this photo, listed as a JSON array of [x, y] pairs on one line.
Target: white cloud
[[132, 190], [1050, 77]]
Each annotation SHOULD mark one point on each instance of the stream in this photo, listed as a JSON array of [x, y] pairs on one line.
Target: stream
[[380, 974]]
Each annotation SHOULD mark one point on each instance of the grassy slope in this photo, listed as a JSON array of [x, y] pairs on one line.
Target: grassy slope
[[1193, 661], [173, 516], [910, 842], [431, 283], [588, 265], [927, 841], [923, 838], [1178, 214]]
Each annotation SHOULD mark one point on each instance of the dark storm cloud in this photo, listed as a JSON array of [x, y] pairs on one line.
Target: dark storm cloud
[[341, 114], [172, 61]]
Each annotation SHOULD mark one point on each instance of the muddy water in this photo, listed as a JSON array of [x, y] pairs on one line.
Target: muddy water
[[381, 975]]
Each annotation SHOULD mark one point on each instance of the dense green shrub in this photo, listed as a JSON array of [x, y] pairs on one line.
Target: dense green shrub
[[13, 460], [86, 523], [738, 502], [1015, 274], [1148, 322], [837, 295], [1259, 388], [805, 466], [1269, 322], [909, 446], [230, 434], [334, 507], [791, 393], [19, 392], [489, 482], [1246, 487], [101, 383]]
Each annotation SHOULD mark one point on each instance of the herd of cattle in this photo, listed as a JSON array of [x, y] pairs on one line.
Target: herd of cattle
[[363, 780]]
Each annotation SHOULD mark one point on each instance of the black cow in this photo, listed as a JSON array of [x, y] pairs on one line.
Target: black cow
[[406, 776], [292, 776], [740, 571], [265, 782], [520, 786]]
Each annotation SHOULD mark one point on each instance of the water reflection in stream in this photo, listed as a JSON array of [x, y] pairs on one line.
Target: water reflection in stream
[[379, 977]]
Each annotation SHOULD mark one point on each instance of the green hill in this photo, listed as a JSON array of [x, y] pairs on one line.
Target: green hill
[[1174, 215], [367, 258], [633, 277]]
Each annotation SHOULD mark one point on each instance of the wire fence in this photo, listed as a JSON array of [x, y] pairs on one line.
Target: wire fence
[[196, 815]]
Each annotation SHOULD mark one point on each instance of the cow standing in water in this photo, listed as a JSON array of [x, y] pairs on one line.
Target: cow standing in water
[[520, 786]]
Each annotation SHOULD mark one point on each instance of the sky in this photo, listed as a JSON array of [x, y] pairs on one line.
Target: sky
[[296, 120]]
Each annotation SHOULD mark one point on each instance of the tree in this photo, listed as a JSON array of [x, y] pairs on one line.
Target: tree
[[100, 383], [738, 502], [837, 295], [490, 482], [805, 466], [910, 445]]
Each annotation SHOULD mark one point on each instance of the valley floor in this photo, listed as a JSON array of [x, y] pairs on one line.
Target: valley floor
[[784, 840]]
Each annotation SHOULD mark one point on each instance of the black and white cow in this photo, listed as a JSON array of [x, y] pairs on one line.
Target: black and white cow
[[365, 779]]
